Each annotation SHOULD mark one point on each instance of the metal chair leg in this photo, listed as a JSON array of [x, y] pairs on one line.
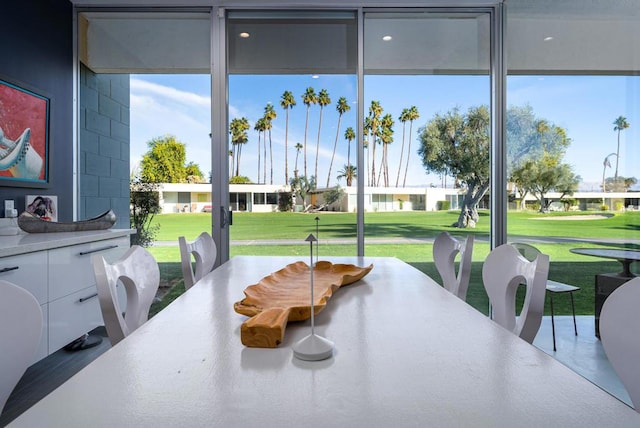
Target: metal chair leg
[[553, 324], [573, 310]]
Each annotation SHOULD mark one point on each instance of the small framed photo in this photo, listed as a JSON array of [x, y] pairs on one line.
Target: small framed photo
[[43, 206]]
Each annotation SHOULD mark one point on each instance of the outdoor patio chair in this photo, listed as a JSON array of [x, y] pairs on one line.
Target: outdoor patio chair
[[20, 333], [553, 287], [445, 250], [138, 271], [204, 252], [503, 271], [619, 326]]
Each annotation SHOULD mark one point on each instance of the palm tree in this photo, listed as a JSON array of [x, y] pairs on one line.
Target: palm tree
[[269, 115], [238, 130], [349, 135], [375, 110], [309, 97], [260, 127], [366, 130], [298, 147], [287, 101], [348, 172], [386, 138], [342, 107], [620, 125], [323, 100], [413, 115], [404, 117]]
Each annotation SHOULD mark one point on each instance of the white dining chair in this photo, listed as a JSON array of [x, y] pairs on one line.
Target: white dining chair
[[445, 250], [138, 271], [503, 271], [204, 251], [20, 333], [619, 333]]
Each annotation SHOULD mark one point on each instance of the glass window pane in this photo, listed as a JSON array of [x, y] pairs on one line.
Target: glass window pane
[[292, 98], [427, 127], [574, 96]]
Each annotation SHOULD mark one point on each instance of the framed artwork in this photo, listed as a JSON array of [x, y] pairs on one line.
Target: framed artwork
[[24, 136], [43, 206]]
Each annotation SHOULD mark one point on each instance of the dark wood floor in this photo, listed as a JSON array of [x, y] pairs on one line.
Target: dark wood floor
[[49, 373]]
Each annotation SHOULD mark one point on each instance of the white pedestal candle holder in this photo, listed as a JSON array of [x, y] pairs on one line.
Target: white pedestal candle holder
[[312, 347]]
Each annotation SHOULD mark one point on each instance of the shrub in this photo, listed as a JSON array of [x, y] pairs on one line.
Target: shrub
[[443, 205], [239, 179], [285, 201], [145, 204]]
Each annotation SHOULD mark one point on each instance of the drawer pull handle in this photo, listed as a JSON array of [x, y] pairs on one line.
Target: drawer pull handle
[[9, 269], [84, 253], [84, 299]]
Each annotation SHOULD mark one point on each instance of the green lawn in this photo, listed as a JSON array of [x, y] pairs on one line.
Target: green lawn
[[247, 226], [565, 266]]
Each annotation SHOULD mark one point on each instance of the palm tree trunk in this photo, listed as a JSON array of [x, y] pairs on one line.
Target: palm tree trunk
[[615, 177], [286, 148], [270, 159], [406, 168], [264, 161], [258, 157], [238, 160], [318, 144], [373, 161], [306, 127], [404, 126], [335, 145]]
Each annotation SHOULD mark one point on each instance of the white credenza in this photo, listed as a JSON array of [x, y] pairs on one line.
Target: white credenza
[[56, 269]]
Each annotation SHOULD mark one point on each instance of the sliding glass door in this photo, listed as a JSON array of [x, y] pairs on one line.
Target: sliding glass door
[[427, 128], [292, 139]]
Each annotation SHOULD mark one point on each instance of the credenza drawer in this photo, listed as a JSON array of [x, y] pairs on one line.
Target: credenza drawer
[[29, 271], [72, 316], [70, 268]]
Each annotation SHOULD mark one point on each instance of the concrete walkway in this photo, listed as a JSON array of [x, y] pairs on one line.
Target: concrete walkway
[[419, 240]]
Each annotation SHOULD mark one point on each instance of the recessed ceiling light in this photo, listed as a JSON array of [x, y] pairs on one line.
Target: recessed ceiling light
[[244, 35], [315, 76], [387, 38], [547, 39]]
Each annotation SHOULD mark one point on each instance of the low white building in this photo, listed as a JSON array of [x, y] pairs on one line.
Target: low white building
[[186, 197]]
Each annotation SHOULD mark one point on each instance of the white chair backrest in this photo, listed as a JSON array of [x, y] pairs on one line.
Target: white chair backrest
[[445, 250], [138, 271], [20, 333], [527, 250], [503, 271], [204, 252], [619, 328]]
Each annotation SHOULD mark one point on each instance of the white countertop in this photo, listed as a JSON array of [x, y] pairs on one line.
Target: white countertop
[[29, 242], [407, 354]]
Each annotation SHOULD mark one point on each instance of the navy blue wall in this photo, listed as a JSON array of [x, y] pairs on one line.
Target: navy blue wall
[[36, 48]]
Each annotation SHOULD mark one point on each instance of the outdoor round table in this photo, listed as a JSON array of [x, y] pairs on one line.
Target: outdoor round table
[[626, 257], [606, 283]]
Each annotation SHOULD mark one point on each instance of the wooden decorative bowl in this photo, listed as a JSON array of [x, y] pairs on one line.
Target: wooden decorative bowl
[[285, 296]]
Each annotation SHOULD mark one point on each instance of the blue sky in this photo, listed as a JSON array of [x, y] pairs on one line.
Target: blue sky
[[585, 106]]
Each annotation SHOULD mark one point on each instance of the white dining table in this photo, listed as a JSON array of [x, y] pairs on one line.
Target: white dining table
[[407, 354]]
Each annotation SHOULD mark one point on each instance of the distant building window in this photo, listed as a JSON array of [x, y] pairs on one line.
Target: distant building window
[[258, 198], [203, 197], [272, 199]]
